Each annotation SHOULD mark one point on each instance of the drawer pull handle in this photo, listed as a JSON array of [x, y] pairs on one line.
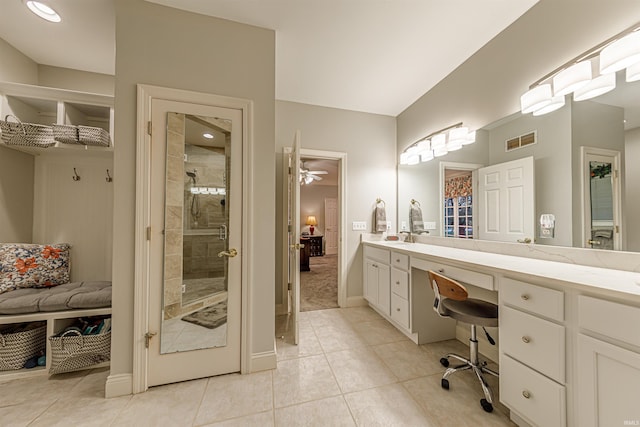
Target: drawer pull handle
[[526, 394], [526, 339], [397, 282], [524, 296], [441, 270], [397, 309], [397, 260]]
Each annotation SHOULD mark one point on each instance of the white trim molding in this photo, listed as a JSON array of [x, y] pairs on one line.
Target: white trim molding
[[118, 385]]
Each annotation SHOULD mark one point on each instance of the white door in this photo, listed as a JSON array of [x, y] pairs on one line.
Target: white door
[[331, 226], [294, 235], [194, 323], [506, 203], [601, 191]]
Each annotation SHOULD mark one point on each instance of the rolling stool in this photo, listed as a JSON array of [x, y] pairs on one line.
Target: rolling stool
[[452, 301]]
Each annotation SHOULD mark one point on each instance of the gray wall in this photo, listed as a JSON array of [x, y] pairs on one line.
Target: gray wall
[[15, 66], [16, 196], [312, 203], [369, 141], [167, 47], [66, 78]]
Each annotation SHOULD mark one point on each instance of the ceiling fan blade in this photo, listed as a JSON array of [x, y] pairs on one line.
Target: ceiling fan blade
[[318, 172], [317, 178]]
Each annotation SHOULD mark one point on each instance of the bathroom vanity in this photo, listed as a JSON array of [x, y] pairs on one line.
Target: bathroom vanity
[[569, 343]]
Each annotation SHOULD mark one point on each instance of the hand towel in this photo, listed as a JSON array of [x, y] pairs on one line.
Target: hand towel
[[415, 219], [381, 219]]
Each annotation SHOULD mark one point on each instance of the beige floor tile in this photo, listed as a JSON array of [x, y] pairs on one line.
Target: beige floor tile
[[22, 414], [332, 411], [359, 369], [262, 419], [308, 344], [302, 380], [173, 404], [325, 317], [334, 337], [378, 332], [232, 396], [359, 314], [407, 360], [459, 406], [22, 390], [389, 405]]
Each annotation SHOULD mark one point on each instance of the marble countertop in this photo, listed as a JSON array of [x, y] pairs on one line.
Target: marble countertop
[[602, 279]]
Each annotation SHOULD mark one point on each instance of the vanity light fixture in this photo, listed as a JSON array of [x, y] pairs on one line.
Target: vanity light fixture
[[633, 73], [437, 144], [43, 10], [577, 76]]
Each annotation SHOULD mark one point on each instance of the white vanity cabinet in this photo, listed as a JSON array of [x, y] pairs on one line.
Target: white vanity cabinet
[[608, 363], [532, 352], [377, 279], [400, 290]]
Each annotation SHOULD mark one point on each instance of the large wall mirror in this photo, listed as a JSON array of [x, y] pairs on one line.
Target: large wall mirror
[[196, 232], [564, 180]]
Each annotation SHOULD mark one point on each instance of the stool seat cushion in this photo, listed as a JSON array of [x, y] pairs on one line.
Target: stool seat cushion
[[471, 310]]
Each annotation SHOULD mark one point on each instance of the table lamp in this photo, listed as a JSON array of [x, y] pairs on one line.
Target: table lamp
[[311, 221]]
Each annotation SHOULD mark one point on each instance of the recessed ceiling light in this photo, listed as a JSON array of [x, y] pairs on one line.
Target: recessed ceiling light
[[207, 135], [43, 11]]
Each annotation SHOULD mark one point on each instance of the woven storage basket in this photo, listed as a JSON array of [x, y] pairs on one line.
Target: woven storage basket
[[16, 348], [67, 134], [73, 351], [26, 134], [94, 136]]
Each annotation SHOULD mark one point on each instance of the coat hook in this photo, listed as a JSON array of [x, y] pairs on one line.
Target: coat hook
[[75, 176], [109, 178]]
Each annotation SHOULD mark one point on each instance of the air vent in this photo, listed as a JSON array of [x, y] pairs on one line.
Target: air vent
[[521, 141]]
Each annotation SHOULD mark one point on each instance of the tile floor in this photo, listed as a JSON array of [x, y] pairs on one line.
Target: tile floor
[[351, 368]]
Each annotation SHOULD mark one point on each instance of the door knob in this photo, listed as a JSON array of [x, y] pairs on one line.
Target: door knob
[[525, 240], [231, 253], [594, 242]]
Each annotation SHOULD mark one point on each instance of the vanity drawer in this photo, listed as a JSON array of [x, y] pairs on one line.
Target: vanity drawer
[[535, 342], [536, 299], [400, 260], [400, 310], [532, 395], [615, 320], [378, 254], [400, 283], [471, 277]]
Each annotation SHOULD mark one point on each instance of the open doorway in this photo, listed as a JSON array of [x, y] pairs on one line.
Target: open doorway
[[457, 191], [319, 220]]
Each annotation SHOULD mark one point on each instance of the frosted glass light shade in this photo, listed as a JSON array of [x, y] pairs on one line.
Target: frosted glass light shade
[[423, 146], [556, 103], [535, 98], [620, 54], [440, 151], [596, 87], [572, 78], [438, 141], [471, 138], [426, 156], [404, 158], [457, 135], [414, 159], [454, 145], [633, 72]]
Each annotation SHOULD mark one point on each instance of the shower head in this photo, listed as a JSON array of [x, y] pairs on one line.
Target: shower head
[[192, 175]]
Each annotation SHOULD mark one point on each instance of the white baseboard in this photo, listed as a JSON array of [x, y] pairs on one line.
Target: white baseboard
[[264, 361], [356, 302], [118, 385], [519, 421], [463, 333]]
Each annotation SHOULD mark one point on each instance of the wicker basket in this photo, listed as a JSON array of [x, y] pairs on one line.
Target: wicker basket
[[26, 134], [67, 134], [94, 136], [16, 348], [73, 351]]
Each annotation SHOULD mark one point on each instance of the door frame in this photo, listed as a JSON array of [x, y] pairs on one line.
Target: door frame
[[585, 183], [341, 157], [473, 167], [145, 94]]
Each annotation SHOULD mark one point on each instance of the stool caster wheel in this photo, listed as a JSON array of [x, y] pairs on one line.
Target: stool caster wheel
[[488, 407], [444, 362], [445, 384]]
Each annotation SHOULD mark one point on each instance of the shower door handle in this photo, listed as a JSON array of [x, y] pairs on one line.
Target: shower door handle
[[231, 253], [222, 232]]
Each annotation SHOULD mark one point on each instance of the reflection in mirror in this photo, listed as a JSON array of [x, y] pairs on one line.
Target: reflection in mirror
[[196, 231], [610, 122]]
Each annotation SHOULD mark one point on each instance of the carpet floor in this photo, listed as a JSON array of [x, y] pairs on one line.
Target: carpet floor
[[319, 286]]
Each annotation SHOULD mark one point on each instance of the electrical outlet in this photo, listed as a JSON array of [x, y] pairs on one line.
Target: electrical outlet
[[403, 226], [430, 225], [359, 226], [184, 288]]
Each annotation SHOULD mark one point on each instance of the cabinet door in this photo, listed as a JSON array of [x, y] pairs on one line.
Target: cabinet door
[[370, 285], [608, 384], [384, 289]]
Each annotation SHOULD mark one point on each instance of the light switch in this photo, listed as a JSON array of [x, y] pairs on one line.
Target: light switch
[[359, 226], [430, 225]]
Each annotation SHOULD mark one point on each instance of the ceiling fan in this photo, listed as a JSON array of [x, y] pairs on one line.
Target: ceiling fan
[[308, 176]]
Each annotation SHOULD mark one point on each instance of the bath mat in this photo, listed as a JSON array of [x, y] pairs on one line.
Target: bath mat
[[209, 317]]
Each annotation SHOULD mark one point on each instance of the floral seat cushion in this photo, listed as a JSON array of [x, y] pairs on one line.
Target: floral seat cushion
[[28, 265]]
